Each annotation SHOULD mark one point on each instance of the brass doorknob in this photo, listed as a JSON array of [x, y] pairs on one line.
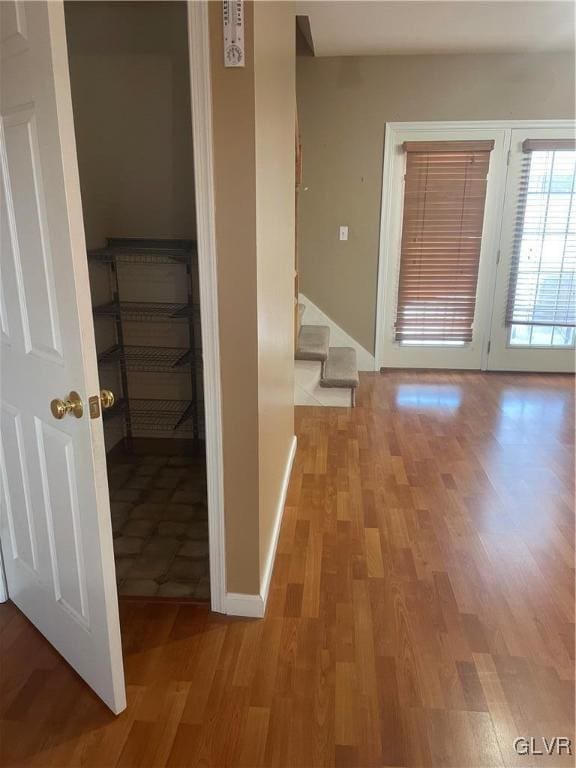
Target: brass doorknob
[[107, 398], [72, 405]]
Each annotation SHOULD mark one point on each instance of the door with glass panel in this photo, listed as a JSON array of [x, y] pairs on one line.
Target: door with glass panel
[[534, 310], [443, 232]]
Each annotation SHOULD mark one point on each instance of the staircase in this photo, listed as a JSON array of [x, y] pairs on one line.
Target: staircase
[[325, 375]]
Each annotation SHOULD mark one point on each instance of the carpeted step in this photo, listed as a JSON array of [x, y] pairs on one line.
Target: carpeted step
[[341, 369], [313, 341]]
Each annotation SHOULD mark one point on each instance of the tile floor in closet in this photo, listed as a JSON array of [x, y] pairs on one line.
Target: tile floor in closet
[[160, 525]]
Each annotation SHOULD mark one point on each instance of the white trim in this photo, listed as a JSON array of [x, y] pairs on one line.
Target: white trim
[[269, 564], [237, 604], [481, 125], [201, 99], [3, 584], [497, 244], [386, 266], [338, 336], [384, 263]]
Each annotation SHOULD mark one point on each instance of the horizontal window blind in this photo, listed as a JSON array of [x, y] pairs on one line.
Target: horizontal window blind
[[542, 287], [444, 198]]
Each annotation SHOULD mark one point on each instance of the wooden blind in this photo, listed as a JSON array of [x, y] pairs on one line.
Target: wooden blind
[[444, 197], [542, 283], [549, 145]]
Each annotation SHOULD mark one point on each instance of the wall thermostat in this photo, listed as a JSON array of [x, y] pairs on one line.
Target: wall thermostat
[[233, 19]]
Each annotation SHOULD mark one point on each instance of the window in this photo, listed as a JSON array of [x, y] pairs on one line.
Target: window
[[444, 198], [541, 307]]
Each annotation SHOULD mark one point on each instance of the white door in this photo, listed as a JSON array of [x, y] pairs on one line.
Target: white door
[[422, 352], [55, 523], [539, 231]]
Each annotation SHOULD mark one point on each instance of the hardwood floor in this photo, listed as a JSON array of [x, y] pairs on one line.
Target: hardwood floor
[[421, 610]]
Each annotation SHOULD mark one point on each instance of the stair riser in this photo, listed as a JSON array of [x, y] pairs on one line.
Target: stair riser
[[313, 343]]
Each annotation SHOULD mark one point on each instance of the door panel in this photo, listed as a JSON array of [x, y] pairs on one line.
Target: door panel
[[503, 355], [391, 353], [22, 178], [55, 525], [14, 35], [17, 490], [59, 485]]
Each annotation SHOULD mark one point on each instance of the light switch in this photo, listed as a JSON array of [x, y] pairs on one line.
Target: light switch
[[343, 233]]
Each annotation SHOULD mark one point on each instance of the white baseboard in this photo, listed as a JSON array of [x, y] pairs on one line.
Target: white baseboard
[[269, 564], [254, 606], [3, 585], [313, 315], [237, 604]]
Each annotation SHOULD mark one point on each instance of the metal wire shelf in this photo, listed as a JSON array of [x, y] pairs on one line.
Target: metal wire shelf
[[151, 415], [137, 251], [162, 415], [146, 310], [150, 359], [176, 416]]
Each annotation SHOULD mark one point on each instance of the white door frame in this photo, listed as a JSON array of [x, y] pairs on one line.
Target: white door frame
[[201, 98], [503, 355], [387, 273], [3, 585]]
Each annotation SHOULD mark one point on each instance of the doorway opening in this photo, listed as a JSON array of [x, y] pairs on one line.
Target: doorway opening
[[129, 73]]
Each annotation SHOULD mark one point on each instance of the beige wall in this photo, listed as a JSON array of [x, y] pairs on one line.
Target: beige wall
[[235, 196], [131, 98], [275, 88], [343, 106], [253, 117]]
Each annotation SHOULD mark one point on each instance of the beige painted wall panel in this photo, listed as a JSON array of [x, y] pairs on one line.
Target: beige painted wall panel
[[344, 104], [275, 87], [253, 115], [235, 194]]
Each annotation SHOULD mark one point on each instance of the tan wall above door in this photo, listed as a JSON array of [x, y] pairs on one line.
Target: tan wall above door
[[131, 100], [344, 104]]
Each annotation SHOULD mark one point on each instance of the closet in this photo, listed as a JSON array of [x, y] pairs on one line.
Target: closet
[[129, 74]]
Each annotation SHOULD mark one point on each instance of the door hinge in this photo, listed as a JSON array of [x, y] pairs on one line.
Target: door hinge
[[488, 348], [498, 257]]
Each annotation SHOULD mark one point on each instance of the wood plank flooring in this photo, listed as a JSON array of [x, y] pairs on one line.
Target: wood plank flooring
[[421, 610]]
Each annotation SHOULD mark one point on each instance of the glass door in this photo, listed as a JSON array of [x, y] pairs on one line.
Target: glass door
[[445, 190], [534, 309]]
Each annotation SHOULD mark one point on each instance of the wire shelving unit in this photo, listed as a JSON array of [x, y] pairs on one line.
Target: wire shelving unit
[[181, 417]]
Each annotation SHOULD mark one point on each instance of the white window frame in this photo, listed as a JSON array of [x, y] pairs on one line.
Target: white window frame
[[387, 349], [505, 356]]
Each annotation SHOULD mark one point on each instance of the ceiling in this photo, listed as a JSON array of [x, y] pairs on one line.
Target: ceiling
[[359, 28]]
